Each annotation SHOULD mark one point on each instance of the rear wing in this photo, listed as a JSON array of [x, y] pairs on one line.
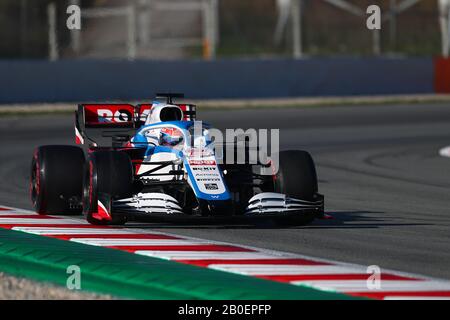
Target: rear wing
[[116, 121]]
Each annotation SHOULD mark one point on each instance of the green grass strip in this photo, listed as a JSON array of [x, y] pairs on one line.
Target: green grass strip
[[129, 275]]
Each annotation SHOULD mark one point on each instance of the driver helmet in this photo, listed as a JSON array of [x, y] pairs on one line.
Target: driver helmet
[[170, 137]]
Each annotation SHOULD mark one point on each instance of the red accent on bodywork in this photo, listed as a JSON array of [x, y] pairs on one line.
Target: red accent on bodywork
[[78, 138], [137, 165], [189, 111], [102, 213], [99, 115], [144, 108]]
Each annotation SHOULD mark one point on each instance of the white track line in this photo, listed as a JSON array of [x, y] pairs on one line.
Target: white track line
[[136, 242], [386, 285], [193, 255], [286, 269]]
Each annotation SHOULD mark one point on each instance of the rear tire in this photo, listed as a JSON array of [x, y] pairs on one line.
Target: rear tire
[[56, 179], [297, 178], [107, 175]]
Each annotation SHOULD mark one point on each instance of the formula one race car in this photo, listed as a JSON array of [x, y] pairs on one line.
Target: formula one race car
[[156, 161]]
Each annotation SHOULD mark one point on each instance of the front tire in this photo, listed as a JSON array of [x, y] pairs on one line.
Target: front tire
[[56, 179], [108, 175], [297, 178]]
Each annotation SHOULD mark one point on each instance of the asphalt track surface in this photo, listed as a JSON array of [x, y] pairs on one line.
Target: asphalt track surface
[[379, 168]]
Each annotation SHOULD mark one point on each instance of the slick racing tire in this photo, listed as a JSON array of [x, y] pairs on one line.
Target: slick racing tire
[[297, 178], [108, 175], [56, 179]]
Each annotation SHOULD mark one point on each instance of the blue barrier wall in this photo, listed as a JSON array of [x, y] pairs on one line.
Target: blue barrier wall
[[83, 80]]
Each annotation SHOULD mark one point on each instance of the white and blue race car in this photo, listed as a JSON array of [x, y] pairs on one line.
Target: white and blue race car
[[158, 161]]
